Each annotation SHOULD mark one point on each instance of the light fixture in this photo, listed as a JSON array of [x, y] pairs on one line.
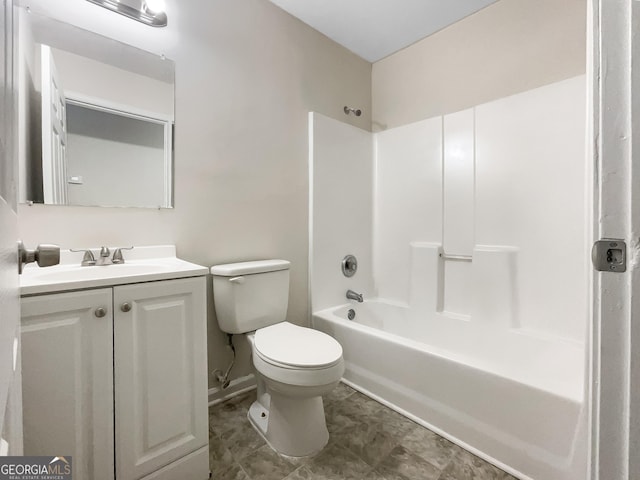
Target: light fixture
[[149, 12], [155, 6]]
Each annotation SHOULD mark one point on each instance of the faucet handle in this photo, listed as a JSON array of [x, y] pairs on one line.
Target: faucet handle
[[117, 255], [88, 259]]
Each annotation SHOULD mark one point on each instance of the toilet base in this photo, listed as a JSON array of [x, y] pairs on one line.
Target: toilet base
[[295, 427]]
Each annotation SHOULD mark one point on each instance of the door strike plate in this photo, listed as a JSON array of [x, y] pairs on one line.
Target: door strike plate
[[609, 255]]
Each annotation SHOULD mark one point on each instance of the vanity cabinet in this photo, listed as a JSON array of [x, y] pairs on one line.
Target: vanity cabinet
[[119, 373]]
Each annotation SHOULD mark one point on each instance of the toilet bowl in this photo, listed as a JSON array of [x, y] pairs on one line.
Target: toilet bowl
[[294, 365]]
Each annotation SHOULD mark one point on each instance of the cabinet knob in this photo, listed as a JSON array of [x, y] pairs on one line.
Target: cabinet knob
[[100, 312], [125, 307]]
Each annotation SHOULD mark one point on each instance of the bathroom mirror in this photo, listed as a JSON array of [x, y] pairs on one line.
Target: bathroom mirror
[[96, 116]]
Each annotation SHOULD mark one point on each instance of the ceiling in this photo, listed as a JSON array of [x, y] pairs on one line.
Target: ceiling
[[374, 29]]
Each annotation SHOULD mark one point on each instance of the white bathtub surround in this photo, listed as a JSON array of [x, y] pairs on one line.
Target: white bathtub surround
[[507, 173], [459, 182], [341, 193], [531, 193], [408, 168], [490, 278], [425, 284], [478, 318], [495, 287]]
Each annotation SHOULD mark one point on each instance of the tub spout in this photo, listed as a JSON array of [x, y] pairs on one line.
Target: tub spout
[[351, 295]]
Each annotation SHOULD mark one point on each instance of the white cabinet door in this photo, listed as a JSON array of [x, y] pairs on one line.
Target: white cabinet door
[[160, 361], [67, 379]]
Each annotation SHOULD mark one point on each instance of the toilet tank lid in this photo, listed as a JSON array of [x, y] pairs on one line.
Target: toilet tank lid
[[248, 268]]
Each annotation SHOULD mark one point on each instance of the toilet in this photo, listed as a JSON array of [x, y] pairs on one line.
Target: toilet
[[294, 365]]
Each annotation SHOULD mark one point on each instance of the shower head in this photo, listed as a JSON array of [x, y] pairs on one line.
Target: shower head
[[356, 111]]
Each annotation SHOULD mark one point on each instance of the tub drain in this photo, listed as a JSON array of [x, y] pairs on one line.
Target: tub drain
[[351, 314]]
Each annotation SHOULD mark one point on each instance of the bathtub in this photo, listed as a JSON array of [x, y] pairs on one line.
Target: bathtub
[[511, 397]]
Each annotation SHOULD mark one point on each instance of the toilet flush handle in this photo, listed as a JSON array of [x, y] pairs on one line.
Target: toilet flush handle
[[239, 280]]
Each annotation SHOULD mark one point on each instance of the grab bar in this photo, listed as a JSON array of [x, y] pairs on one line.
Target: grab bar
[[465, 258]]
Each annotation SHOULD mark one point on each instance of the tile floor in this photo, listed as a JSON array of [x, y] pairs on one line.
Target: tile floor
[[367, 441]]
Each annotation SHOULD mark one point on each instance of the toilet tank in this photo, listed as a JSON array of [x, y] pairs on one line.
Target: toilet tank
[[250, 295]]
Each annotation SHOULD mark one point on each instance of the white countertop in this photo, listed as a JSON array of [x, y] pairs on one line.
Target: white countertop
[[142, 264]]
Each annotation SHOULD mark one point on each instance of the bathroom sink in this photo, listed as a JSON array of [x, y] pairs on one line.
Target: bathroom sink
[[143, 264], [67, 273]]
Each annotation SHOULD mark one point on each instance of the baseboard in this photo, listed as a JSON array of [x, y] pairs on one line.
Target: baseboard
[[236, 387]]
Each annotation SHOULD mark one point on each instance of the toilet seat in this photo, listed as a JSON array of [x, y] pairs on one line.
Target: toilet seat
[[290, 346], [297, 356], [298, 377]]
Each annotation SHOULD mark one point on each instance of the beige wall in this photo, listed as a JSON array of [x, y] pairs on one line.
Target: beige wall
[[94, 79], [246, 75], [509, 47]]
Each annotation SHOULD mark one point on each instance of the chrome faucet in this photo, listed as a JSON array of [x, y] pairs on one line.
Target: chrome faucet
[[351, 295], [89, 259], [104, 257]]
